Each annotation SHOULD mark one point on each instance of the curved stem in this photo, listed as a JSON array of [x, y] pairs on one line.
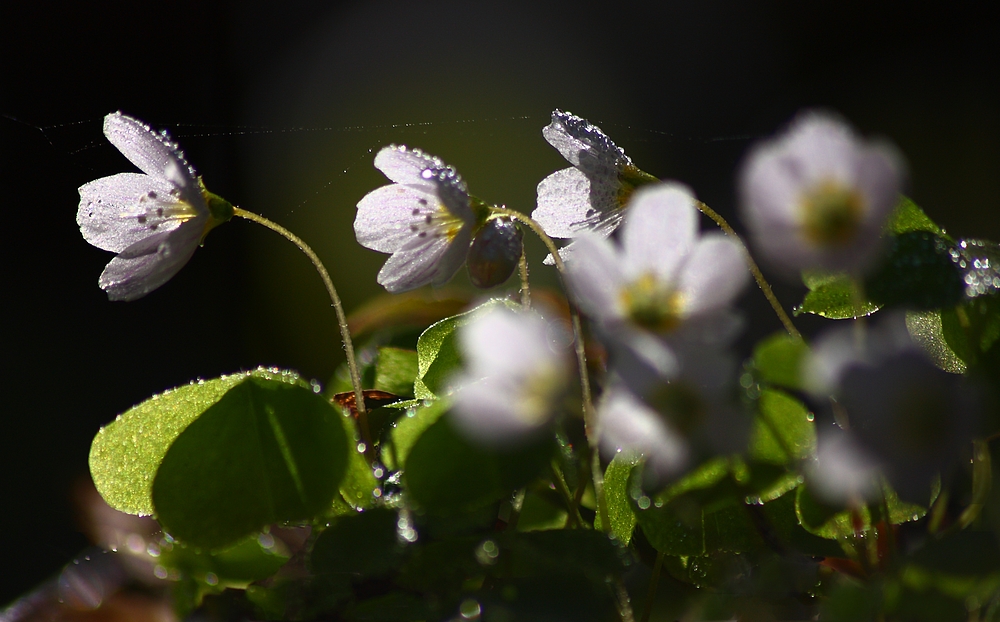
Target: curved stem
[[345, 333], [522, 268], [589, 414], [654, 580], [758, 276]]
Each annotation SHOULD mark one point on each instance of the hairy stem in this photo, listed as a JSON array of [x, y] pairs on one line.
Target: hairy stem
[[345, 333], [589, 414], [758, 276], [522, 268]]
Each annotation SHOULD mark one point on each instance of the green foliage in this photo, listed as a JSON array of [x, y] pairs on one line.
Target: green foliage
[[237, 566], [916, 272], [834, 296], [126, 453], [269, 450], [358, 545], [617, 495], [907, 217], [395, 370], [778, 360], [837, 523], [783, 430], [446, 473]]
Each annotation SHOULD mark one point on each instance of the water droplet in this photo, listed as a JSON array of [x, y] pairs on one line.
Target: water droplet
[[487, 552], [153, 549], [266, 541], [361, 448], [211, 578], [470, 609], [810, 416], [160, 572], [643, 502]]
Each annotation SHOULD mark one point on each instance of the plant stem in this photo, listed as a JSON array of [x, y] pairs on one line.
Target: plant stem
[[589, 414], [651, 592], [345, 333], [522, 268], [758, 276]]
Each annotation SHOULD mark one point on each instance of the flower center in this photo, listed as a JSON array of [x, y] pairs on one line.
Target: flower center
[[653, 304], [831, 213]]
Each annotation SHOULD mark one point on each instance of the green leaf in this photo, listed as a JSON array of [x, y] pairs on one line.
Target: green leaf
[[907, 217], [783, 431], [437, 351], [408, 428], [270, 450], [126, 453], [395, 370], [778, 360], [446, 473], [700, 513], [833, 296], [361, 544], [829, 521], [971, 330], [926, 329], [917, 272], [235, 567], [359, 482], [618, 498]]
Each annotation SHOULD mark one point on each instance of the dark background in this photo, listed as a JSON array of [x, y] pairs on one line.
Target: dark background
[[279, 106]]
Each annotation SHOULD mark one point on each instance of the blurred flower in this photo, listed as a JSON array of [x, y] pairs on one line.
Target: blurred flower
[[662, 284], [516, 368], [628, 424], [592, 194], [153, 221], [424, 219], [902, 414], [817, 196]]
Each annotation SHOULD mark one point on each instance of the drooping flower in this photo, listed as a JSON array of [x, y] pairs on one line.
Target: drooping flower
[[516, 369], [494, 252], [818, 196], [592, 194], [662, 284], [424, 219], [908, 418], [155, 220]]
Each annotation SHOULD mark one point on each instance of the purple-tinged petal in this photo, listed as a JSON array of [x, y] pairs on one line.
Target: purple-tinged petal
[[118, 211], [151, 262], [713, 276]]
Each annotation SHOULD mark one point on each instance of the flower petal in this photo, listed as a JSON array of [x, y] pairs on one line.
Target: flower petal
[[118, 211], [595, 277], [150, 262], [433, 260], [386, 216], [627, 423], [583, 144], [714, 274], [152, 152], [404, 165], [660, 228]]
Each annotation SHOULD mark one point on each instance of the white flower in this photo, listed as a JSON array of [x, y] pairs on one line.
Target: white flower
[[592, 194], [911, 419], [628, 424], [663, 282], [153, 221], [818, 196], [842, 471], [424, 219], [516, 369]]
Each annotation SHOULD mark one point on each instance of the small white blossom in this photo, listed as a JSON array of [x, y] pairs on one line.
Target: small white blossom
[[424, 219], [592, 194], [154, 221], [842, 471], [663, 283], [911, 419], [818, 196], [515, 371], [628, 424]]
